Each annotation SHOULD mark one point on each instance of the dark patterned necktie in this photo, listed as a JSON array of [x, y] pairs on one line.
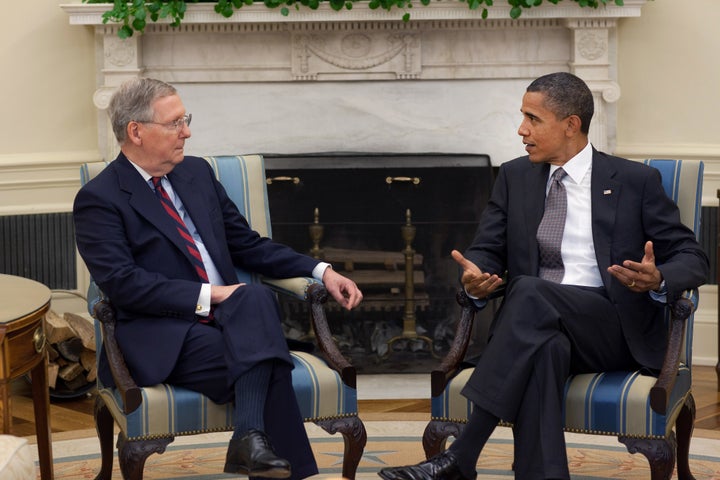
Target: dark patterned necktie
[[550, 231], [181, 228]]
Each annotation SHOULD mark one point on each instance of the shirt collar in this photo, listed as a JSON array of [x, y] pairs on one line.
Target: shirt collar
[[145, 175], [578, 166]]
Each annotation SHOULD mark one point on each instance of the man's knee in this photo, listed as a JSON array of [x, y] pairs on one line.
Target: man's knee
[[527, 283]]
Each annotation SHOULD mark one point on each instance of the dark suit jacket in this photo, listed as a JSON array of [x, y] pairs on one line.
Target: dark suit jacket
[[629, 207], [136, 256]]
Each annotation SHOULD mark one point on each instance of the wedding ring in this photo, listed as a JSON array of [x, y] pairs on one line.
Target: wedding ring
[[631, 285]]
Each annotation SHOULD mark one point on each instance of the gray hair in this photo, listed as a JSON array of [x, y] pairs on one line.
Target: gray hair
[[133, 100], [565, 95]]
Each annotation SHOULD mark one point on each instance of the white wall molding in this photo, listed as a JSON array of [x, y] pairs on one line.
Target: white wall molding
[[43, 182]]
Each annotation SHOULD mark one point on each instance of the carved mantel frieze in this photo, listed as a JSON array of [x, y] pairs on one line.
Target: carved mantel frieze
[[444, 43]]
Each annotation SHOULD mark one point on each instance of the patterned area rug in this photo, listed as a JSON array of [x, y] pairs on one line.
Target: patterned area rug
[[201, 457]]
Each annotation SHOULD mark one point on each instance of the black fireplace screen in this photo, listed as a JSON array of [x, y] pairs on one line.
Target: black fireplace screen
[[389, 221]]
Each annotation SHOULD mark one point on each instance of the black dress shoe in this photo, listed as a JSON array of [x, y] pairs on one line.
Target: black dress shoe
[[439, 467], [252, 455]]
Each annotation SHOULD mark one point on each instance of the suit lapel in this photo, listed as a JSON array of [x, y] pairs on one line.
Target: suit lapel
[[605, 192], [194, 202], [143, 200]]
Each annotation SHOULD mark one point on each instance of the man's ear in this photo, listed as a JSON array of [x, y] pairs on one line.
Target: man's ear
[[574, 125], [133, 133]]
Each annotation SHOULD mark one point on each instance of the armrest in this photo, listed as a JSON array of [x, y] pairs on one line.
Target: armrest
[[129, 391], [295, 287], [451, 363], [680, 311], [314, 292]]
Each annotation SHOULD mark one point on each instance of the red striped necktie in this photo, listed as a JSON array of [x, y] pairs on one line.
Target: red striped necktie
[[181, 228]]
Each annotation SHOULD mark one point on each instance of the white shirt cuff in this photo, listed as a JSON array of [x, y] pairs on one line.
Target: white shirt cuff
[[203, 303], [319, 270]]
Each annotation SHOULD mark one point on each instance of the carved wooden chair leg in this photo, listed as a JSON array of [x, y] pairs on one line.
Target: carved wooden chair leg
[[684, 426], [133, 453], [436, 435], [659, 452], [355, 436], [104, 425]]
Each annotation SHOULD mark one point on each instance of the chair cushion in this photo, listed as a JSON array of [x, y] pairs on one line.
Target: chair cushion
[[615, 403], [167, 410]]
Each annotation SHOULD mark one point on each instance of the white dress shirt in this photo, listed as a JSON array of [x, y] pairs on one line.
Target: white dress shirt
[[578, 249]]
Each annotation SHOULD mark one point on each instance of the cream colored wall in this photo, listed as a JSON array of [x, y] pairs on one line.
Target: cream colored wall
[[47, 124], [668, 72], [670, 77]]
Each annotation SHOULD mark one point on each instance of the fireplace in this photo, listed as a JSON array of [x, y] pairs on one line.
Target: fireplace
[[389, 222], [364, 81]]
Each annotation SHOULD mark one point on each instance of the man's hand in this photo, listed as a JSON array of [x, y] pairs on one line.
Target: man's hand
[[342, 289], [220, 293], [639, 277], [476, 282]]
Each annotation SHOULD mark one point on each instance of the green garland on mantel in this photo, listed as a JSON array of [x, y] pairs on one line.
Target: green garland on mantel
[[134, 14]]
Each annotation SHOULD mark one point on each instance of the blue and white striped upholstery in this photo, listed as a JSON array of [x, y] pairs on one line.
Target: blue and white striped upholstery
[[615, 403], [167, 410]]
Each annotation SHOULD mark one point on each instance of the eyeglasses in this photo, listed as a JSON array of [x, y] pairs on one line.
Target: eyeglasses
[[176, 125]]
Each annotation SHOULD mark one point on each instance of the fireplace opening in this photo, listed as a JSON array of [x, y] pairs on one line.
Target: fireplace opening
[[389, 222]]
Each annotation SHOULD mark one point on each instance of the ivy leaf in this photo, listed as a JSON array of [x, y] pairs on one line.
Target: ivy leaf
[[125, 32], [133, 15]]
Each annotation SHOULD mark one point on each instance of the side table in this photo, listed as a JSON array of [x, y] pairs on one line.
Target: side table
[[23, 304]]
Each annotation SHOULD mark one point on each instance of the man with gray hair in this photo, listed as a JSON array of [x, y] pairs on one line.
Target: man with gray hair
[[162, 240], [589, 248]]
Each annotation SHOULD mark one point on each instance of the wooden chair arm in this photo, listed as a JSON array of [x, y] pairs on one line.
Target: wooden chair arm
[[680, 311], [450, 364], [317, 296], [129, 391], [314, 292]]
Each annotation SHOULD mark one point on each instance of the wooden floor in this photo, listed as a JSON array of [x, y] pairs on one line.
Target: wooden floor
[[69, 416]]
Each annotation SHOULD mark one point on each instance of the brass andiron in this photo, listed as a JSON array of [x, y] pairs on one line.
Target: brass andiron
[[409, 327], [316, 234]]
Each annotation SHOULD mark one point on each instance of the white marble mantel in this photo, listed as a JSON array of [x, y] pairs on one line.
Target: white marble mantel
[[363, 80]]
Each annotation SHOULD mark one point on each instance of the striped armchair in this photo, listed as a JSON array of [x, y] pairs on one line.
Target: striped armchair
[[150, 417], [650, 415]]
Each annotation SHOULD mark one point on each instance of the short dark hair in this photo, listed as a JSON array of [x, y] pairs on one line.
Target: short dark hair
[[565, 95]]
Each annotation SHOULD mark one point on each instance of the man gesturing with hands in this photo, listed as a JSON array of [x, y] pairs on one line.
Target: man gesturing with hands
[[589, 248]]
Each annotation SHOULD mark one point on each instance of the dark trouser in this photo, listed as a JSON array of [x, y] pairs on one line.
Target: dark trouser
[[247, 331], [542, 333]]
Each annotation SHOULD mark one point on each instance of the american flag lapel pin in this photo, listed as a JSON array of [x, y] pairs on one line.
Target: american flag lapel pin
[[607, 192]]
